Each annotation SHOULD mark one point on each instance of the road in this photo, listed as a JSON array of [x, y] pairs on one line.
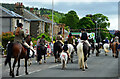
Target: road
[[101, 66]]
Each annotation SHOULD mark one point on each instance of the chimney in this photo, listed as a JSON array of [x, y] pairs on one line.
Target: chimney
[[32, 10], [19, 8]]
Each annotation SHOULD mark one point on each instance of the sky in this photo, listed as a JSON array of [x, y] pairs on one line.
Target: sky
[[108, 8]]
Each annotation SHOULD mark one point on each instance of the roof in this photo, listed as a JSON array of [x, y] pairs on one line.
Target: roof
[[7, 13], [30, 16]]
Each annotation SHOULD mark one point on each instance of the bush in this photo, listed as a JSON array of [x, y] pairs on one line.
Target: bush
[[34, 40], [47, 37], [7, 36]]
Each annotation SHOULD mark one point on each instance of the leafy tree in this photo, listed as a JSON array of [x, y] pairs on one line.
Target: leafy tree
[[71, 19], [102, 21], [86, 23]]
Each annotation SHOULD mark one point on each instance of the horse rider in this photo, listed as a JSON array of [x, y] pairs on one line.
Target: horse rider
[[20, 36], [106, 40], [70, 39], [59, 38], [84, 36]]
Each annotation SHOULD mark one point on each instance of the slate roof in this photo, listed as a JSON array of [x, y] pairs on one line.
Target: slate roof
[[7, 13]]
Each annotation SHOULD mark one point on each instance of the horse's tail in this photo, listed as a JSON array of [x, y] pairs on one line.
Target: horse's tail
[[80, 48], [9, 53]]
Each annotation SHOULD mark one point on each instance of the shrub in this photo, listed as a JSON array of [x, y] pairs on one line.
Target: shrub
[[47, 37], [7, 36]]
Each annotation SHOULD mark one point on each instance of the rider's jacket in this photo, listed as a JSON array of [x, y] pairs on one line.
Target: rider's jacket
[[70, 40], [59, 37], [42, 41], [19, 37], [84, 36], [97, 39], [106, 41]]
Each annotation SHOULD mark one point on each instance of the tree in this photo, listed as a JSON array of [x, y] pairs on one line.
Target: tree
[[102, 21], [71, 19], [86, 23]]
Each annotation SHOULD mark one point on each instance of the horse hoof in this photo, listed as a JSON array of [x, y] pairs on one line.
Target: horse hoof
[[27, 73], [71, 61], [83, 69], [113, 55], [17, 74], [105, 54], [86, 67], [10, 73], [13, 75], [30, 64], [55, 61], [44, 61], [40, 62]]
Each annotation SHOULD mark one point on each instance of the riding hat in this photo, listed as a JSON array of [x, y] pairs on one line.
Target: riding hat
[[20, 24]]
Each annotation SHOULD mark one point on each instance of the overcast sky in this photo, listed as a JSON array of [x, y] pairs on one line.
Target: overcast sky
[[107, 7]]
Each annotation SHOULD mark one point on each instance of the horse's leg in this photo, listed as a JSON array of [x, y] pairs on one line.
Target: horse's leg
[[80, 62], [44, 58], [17, 74], [58, 56], [10, 68], [83, 65], [72, 57], [29, 61], [15, 61], [26, 65], [89, 52], [55, 56], [86, 67]]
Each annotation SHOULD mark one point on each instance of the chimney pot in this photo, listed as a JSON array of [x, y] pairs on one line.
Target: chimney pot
[[21, 4], [31, 9]]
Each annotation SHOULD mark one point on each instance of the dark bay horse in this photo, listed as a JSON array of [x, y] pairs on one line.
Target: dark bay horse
[[57, 50], [16, 51], [41, 50]]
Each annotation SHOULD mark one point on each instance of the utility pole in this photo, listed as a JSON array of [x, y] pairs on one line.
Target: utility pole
[[52, 18]]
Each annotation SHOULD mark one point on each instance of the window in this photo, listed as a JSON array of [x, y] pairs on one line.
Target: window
[[17, 22]]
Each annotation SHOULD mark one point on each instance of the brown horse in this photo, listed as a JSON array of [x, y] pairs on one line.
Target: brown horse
[[16, 51], [114, 46]]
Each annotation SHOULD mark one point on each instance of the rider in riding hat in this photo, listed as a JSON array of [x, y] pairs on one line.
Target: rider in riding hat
[[106, 40], [59, 37], [84, 36], [70, 39], [20, 36]]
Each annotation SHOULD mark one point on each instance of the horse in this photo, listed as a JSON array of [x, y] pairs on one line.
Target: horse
[[57, 48], [17, 51], [41, 50], [82, 52], [115, 52], [64, 59], [106, 47], [71, 51], [31, 52]]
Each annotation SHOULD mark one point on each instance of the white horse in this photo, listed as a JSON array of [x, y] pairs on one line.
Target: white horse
[[64, 59], [71, 51], [106, 47], [81, 56]]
